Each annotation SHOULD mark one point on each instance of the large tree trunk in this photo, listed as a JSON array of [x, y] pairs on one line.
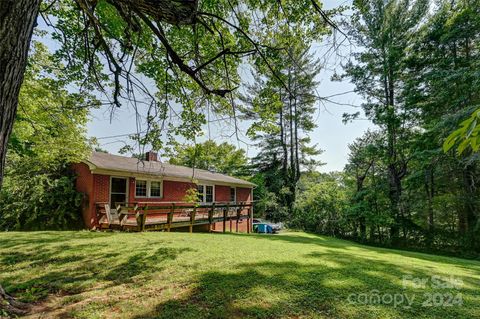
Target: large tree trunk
[[469, 215], [395, 194], [17, 19], [429, 189]]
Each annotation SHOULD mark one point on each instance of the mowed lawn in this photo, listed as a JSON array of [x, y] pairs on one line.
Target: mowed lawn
[[181, 275]]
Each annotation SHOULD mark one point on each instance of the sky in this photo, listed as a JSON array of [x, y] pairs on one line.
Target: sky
[[331, 135]]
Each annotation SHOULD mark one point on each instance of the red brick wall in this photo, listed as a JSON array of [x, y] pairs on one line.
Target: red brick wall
[[242, 226], [175, 191], [96, 188], [222, 193], [243, 194], [84, 184], [101, 188]]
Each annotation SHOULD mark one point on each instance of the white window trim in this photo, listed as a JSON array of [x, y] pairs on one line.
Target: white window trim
[[146, 191], [149, 187], [204, 195]]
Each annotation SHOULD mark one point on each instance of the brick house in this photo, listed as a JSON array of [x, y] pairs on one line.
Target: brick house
[[110, 179]]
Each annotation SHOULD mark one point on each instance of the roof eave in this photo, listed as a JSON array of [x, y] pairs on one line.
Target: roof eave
[[108, 171]]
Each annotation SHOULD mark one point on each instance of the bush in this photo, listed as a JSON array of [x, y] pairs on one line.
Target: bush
[[33, 200]]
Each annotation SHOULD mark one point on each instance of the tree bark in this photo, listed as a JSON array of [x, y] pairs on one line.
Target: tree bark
[[360, 180], [470, 211], [429, 189], [293, 174], [177, 12], [17, 19]]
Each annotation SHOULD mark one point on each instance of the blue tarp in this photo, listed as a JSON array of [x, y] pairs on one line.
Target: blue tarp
[[263, 228]]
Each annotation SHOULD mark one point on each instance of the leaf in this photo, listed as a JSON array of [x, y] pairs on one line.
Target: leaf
[[451, 140]]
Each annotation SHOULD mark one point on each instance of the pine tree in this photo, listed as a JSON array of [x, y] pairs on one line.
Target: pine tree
[[282, 111]]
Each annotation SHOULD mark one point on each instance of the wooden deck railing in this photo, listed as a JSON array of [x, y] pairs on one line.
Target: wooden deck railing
[[143, 216]]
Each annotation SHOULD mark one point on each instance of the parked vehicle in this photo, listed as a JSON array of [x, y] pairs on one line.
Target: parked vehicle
[[265, 227]]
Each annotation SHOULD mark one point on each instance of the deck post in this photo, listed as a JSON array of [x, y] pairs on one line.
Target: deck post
[[230, 219], [251, 216], [192, 219], [210, 217], [135, 212], [170, 217], [138, 218], [144, 217], [239, 212], [224, 219], [249, 221]]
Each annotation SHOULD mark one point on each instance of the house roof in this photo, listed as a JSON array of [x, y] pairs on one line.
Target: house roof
[[99, 161]]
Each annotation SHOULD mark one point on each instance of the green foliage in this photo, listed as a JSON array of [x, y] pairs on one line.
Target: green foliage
[[223, 158], [123, 48], [48, 134], [191, 195], [266, 201], [467, 136], [320, 204], [418, 73], [38, 200], [282, 110]]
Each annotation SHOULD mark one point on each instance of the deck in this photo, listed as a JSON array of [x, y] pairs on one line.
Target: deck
[[166, 216]]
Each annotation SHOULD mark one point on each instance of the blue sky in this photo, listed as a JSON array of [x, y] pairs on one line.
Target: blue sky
[[331, 135]]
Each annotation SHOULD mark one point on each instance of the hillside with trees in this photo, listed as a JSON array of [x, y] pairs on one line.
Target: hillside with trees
[[257, 69]]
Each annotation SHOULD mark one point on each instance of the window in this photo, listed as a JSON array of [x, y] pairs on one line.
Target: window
[[155, 189], [205, 193], [233, 194], [201, 192], [208, 194], [118, 190], [145, 188], [140, 188]]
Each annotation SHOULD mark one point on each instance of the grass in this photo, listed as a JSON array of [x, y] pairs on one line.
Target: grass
[[181, 275]]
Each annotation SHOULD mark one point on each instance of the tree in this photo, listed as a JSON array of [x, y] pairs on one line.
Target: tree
[[461, 24], [189, 49], [435, 85], [18, 20], [363, 155], [385, 29], [445, 88], [321, 204], [282, 118], [221, 158]]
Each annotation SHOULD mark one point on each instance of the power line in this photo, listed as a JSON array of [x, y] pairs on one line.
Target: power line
[[143, 132], [120, 135]]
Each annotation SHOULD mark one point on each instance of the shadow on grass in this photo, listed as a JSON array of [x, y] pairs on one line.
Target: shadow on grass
[[142, 263], [306, 290], [314, 239], [18, 239], [46, 266]]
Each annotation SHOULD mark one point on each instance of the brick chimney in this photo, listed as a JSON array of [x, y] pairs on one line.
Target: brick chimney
[[151, 156]]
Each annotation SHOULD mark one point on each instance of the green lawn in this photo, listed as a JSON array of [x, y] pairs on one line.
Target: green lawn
[[182, 275]]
